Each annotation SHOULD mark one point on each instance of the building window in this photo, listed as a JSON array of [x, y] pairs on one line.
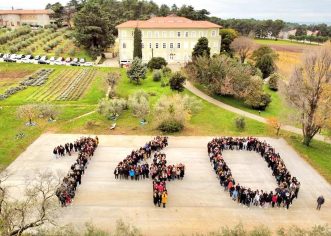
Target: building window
[[172, 34], [186, 34], [178, 45], [171, 45], [150, 45], [132, 33], [164, 45], [164, 34], [200, 34], [157, 45], [124, 45], [213, 33], [172, 56], [124, 34], [194, 34], [178, 34], [149, 34], [157, 34]]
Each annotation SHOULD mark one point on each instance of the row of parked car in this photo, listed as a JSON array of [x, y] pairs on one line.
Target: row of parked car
[[19, 58]]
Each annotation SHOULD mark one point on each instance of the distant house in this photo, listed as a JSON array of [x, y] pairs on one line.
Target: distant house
[[171, 37], [285, 34], [16, 18], [312, 33]]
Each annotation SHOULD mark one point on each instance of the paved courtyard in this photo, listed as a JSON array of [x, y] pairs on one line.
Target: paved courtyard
[[195, 204]]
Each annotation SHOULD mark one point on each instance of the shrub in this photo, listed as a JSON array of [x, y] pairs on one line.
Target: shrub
[[259, 101], [171, 126], [13, 49], [157, 63], [172, 112], [240, 123], [273, 81], [177, 82], [157, 76], [72, 52], [166, 71]]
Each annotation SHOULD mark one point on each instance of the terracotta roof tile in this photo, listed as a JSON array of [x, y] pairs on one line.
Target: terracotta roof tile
[[168, 22], [24, 12]]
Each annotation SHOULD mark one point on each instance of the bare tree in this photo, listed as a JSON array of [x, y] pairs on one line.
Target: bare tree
[[112, 79], [37, 207], [242, 45], [309, 91], [29, 112]]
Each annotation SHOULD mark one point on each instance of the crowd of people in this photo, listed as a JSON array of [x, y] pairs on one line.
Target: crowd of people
[[159, 171], [288, 185], [85, 147], [68, 148]]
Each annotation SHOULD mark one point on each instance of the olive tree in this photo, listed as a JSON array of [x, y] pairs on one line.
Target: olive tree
[[28, 112], [139, 104]]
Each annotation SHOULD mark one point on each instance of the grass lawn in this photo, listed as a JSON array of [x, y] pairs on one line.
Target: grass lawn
[[318, 154], [279, 42], [276, 108], [211, 120]]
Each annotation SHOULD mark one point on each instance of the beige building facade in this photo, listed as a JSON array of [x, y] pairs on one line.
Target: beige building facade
[[17, 18], [172, 38]]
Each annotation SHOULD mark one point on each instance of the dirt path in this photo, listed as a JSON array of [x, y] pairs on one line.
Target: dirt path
[[209, 99]]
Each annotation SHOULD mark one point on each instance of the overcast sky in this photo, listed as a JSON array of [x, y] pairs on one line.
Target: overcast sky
[[288, 10]]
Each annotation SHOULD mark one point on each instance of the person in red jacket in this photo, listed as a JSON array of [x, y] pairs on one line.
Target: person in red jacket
[[274, 200]]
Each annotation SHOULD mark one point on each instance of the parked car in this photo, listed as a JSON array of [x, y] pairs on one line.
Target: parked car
[[68, 59], [59, 61], [88, 64], [74, 64], [37, 58], [75, 60], [1, 55], [82, 60]]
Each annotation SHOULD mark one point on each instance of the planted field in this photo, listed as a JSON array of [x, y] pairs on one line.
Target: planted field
[[9, 77], [37, 79], [49, 42], [68, 85]]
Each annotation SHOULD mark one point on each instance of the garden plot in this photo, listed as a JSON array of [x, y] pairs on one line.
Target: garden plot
[[68, 85], [37, 79], [9, 78]]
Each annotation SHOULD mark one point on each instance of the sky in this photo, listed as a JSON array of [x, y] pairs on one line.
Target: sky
[[303, 11]]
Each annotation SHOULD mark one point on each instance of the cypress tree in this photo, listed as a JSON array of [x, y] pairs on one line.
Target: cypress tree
[[137, 44]]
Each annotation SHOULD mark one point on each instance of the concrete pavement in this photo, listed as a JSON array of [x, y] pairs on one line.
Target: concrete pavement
[[196, 204]]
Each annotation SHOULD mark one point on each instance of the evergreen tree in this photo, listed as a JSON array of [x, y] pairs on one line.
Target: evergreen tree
[[201, 48], [137, 44], [93, 29], [137, 71]]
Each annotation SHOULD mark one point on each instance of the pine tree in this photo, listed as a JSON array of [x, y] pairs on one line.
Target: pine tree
[[137, 71], [137, 44]]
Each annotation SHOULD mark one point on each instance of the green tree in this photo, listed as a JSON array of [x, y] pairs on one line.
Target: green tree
[[58, 13], [137, 71], [266, 64], [264, 58], [177, 81], [92, 28], [164, 10], [228, 35], [137, 44], [273, 81], [201, 48], [157, 63]]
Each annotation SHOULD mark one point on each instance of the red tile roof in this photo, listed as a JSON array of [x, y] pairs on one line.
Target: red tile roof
[[168, 22], [25, 12]]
